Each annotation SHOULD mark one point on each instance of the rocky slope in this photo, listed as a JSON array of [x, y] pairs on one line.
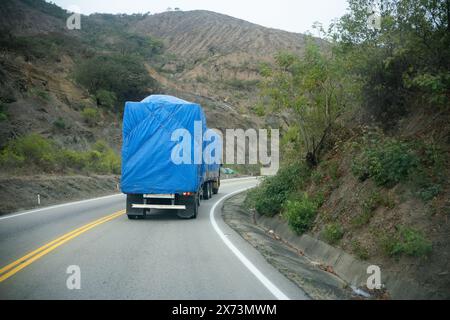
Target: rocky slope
[[208, 57]]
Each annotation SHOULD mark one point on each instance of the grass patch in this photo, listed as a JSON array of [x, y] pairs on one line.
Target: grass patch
[[34, 152], [406, 241], [332, 233], [40, 93], [359, 250], [368, 206], [91, 116], [244, 85], [387, 161]]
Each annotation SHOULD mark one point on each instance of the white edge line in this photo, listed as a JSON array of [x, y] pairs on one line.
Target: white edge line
[[250, 266], [13, 215], [58, 206]]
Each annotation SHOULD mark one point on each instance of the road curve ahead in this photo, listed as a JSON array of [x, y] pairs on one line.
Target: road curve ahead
[[161, 257]]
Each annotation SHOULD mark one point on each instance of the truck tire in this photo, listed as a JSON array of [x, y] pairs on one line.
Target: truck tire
[[214, 189], [132, 213], [195, 209], [135, 217], [210, 189], [205, 191], [191, 211]]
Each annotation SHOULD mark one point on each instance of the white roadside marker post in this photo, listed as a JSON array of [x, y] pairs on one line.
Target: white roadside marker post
[[39, 199]]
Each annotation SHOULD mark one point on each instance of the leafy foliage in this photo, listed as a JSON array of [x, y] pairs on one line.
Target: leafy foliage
[[106, 99], [91, 116], [386, 160], [406, 58], [60, 123], [29, 150], [34, 151], [300, 213], [332, 233], [273, 192], [311, 88], [125, 75], [407, 241]]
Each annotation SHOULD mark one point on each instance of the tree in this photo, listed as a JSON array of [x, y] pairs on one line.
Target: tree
[[404, 62], [106, 99], [311, 87], [123, 75]]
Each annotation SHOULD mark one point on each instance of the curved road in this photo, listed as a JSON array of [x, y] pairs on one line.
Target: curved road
[[161, 257]]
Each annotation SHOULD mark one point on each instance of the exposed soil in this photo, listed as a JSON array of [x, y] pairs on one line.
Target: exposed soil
[[20, 193]]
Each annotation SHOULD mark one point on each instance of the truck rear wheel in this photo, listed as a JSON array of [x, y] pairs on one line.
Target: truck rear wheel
[[216, 186], [210, 189], [195, 210], [135, 217], [191, 211], [206, 194]]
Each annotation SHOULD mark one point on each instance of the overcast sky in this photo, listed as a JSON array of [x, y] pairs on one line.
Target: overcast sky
[[289, 15]]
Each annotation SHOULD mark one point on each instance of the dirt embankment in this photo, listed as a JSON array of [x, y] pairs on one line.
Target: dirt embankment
[[323, 271], [21, 193]]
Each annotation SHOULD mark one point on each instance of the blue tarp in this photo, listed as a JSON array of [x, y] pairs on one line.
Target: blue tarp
[[147, 167]]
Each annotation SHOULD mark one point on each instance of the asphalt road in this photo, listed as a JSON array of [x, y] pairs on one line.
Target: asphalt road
[[161, 257]]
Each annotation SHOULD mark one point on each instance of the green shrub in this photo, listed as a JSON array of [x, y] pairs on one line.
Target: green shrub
[[238, 84], [91, 116], [125, 75], [268, 199], [106, 99], [32, 149], [8, 158], [362, 219], [201, 79], [72, 159], [360, 251], [371, 203], [332, 233], [259, 110], [429, 192], [333, 170], [428, 178], [40, 93], [317, 176], [102, 159], [406, 241], [3, 115], [368, 206], [387, 161], [300, 214], [59, 123]]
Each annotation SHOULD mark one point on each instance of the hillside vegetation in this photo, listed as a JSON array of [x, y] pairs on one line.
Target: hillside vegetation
[[367, 152], [68, 87]]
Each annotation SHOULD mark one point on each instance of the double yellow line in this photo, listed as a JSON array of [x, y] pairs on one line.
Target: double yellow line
[[19, 264]]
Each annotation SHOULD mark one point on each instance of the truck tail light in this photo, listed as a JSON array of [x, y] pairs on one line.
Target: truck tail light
[[187, 194]]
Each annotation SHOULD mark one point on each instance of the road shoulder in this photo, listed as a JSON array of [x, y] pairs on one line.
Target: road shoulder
[[318, 284]]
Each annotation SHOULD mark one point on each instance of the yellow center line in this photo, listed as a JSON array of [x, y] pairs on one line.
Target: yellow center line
[[29, 258]]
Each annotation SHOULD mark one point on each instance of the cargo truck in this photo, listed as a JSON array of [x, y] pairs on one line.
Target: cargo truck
[[151, 179]]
